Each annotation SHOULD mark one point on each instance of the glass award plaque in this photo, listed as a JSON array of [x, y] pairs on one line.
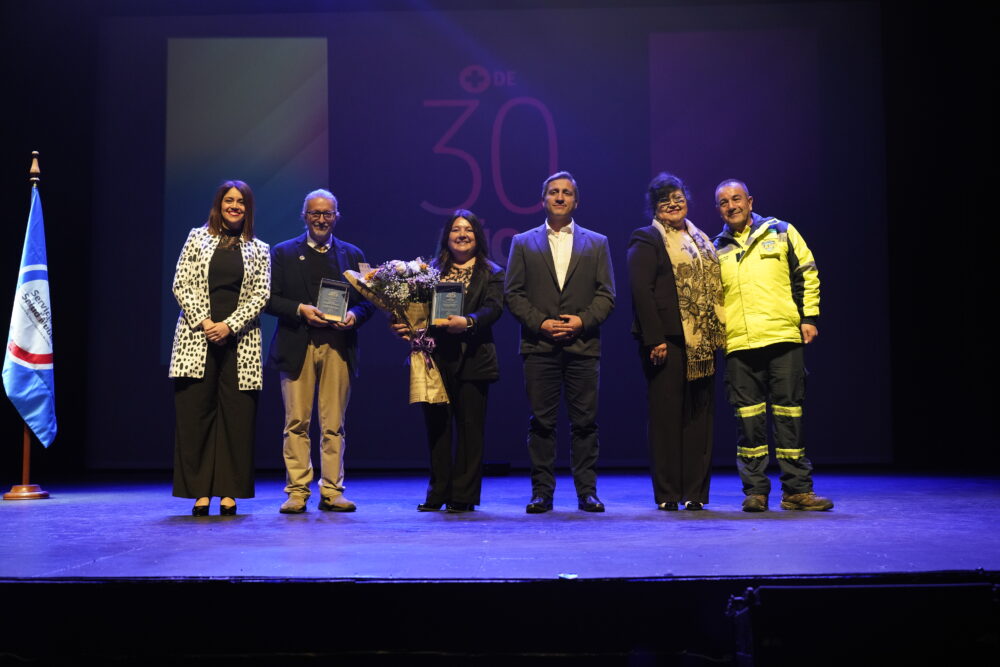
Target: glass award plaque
[[449, 298], [332, 299]]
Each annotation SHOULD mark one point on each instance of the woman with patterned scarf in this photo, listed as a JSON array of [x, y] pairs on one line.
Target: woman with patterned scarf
[[679, 322]]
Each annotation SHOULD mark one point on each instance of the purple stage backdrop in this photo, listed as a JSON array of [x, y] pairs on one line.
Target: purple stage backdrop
[[408, 115]]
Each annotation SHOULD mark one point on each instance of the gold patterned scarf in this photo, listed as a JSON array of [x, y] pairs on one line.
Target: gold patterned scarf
[[699, 295]]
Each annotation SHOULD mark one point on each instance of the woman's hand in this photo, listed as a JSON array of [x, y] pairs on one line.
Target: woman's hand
[[401, 330], [218, 332], [658, 355], [456, 324]]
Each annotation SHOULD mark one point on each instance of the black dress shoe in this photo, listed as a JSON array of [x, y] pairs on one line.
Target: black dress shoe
[[429, 507], [590, 504], [693, 505], [667, 507], [461, 508], [227, 510], [199, 510], [539, 505]]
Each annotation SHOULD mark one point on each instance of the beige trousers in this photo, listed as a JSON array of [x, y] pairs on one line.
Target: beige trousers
[[325, 368]]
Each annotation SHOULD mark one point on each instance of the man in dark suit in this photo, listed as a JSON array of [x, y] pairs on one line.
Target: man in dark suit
[[311, 353], [560, 286]]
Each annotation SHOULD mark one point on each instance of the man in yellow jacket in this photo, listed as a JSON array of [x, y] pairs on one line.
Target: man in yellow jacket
[[771, 287]]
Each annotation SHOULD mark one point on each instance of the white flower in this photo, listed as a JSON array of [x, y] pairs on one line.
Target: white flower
[[413, 266], [399, 267]]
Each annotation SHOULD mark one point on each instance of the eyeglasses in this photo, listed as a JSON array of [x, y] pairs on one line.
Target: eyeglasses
[[676, 199], [326, 215]]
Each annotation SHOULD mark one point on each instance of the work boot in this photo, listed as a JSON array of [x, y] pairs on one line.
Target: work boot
[[755, 503], [805, 501]]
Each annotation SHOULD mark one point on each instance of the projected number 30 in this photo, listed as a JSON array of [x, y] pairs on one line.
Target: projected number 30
[[442, 147]]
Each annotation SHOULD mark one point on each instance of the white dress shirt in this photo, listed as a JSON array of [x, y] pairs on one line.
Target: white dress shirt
[[561, 245]]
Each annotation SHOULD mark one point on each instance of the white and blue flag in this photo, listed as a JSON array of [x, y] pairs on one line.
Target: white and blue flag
[[27, 367]]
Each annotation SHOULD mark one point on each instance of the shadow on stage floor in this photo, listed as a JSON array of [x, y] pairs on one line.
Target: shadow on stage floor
[[905, 566]]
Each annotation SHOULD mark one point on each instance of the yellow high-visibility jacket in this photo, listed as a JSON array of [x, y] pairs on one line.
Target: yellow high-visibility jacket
[[771, 285]]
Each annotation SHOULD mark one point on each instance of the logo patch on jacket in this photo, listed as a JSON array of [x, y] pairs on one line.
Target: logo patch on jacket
[[769, 246]]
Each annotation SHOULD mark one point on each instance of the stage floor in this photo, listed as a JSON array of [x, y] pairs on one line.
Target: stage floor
[[881, 524]]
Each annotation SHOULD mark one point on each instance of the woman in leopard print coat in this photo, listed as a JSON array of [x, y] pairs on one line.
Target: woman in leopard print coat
[[222, 283]]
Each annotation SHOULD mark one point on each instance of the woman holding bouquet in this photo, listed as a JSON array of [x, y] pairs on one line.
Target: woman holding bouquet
[[467, 359]]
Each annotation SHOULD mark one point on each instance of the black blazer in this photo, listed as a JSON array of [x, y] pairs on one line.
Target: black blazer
[[473, 355], [655, 311], [533, 294], [289, 288]]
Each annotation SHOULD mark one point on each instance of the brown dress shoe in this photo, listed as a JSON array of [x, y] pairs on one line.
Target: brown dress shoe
[[806, 501], [755, 503], [294, 505], [337, 504]]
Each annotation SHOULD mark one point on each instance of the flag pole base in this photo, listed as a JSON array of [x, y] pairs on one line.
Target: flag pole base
[[25, 492]]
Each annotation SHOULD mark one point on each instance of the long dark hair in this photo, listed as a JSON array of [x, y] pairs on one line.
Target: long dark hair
[[443, 259], [216, 224]]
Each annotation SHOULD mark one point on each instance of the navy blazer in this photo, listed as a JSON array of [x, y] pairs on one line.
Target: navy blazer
[[290, 287], [473, 355], [655, 311], [533, 294]]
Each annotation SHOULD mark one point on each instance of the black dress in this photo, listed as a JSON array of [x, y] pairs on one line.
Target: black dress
[[468, 364], [214, 445]]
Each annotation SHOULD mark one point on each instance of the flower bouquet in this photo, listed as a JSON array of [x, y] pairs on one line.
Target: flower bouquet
[[405, 290]]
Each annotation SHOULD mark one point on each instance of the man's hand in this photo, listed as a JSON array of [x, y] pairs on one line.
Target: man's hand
[[809, 333], [567, 327], [658, 355], [551, 330], [312, 315], [456, 324], [348, 322], [572, 325]]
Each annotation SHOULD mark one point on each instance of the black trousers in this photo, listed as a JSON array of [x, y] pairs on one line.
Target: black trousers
[[775, 374], [456, 434], [214, 441], [548, 377], [680, 428]]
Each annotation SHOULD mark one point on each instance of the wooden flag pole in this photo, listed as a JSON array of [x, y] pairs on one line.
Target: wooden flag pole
[[26, 490]]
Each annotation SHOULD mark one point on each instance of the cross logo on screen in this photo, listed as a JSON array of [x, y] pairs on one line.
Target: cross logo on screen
[[476, 78]]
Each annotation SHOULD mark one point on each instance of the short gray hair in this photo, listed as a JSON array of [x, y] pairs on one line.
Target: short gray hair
[[320, 194], [730, 182]]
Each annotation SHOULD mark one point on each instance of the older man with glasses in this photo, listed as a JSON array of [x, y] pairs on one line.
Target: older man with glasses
[[312, 353]]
